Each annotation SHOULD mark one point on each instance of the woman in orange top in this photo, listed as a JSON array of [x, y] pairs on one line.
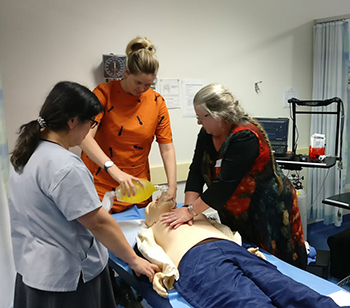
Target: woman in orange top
[[116, 151]]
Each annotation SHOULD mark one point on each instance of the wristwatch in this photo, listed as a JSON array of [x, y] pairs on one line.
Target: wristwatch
[[108, 164], [190, 208]]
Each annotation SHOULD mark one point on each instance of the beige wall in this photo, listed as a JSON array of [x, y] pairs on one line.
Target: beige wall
[[233, 42]]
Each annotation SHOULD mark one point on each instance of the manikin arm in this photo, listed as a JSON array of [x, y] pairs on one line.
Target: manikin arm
[[154, 253], [105, 228]]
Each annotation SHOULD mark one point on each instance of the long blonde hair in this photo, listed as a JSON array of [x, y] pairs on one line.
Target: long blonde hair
[[141, 57], [218, 101]]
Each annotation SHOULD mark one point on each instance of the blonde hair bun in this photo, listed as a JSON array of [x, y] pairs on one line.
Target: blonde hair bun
[[140, 43], [141, 57]]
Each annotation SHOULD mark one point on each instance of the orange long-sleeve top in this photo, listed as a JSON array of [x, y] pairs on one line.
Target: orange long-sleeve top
[[127, 127]]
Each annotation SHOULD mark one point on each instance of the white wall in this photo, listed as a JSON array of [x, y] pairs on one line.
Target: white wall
[[233, 42]]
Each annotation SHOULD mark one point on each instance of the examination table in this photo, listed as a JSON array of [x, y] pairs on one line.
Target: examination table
[[131, 220]]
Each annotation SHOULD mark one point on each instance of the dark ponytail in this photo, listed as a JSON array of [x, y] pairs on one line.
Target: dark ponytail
[[65, 101], [29, 136]]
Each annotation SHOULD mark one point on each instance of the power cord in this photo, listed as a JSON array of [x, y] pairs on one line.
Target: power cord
[[319, 191]]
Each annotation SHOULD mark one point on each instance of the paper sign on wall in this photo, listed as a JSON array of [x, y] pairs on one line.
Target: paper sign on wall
[[170, 90], [189, 90], [290, 92]]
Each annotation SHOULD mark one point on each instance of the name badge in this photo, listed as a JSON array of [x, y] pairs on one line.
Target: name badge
[[218, 163]]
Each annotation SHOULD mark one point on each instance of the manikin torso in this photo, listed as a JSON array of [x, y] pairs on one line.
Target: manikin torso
[[176, 242]]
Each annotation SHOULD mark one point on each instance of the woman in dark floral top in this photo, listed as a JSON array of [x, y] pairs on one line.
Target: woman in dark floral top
[[233, 157]]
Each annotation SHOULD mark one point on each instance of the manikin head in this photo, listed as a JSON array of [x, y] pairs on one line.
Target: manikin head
[[157, 208]]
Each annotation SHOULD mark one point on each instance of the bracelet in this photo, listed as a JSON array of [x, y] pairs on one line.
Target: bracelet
[[190, 208]]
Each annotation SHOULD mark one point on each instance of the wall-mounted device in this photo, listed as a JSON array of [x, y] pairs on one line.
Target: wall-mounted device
[[113, 66]]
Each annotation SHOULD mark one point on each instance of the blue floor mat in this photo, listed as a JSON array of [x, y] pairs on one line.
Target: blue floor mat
[[318, 233]]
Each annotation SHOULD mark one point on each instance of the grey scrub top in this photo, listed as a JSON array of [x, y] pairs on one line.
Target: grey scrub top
[[51, 248]]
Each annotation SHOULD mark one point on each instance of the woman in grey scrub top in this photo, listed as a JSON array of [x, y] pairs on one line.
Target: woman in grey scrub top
[[59, 228]]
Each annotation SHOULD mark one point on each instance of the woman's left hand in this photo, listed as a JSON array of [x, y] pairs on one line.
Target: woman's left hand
[[177, 217]]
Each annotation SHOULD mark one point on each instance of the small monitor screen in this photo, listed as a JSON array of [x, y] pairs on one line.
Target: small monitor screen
[[276, 128]]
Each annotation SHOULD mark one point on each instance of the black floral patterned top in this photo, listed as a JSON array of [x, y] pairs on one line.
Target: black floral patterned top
[[242, 187]]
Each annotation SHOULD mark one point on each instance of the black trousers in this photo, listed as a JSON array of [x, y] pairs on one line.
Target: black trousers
[[97, 293]]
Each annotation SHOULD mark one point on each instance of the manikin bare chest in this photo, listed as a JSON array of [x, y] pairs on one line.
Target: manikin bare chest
[[176, 242]]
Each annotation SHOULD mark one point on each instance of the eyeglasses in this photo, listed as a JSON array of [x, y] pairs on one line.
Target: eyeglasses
[[200, 119], [93, 123]]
